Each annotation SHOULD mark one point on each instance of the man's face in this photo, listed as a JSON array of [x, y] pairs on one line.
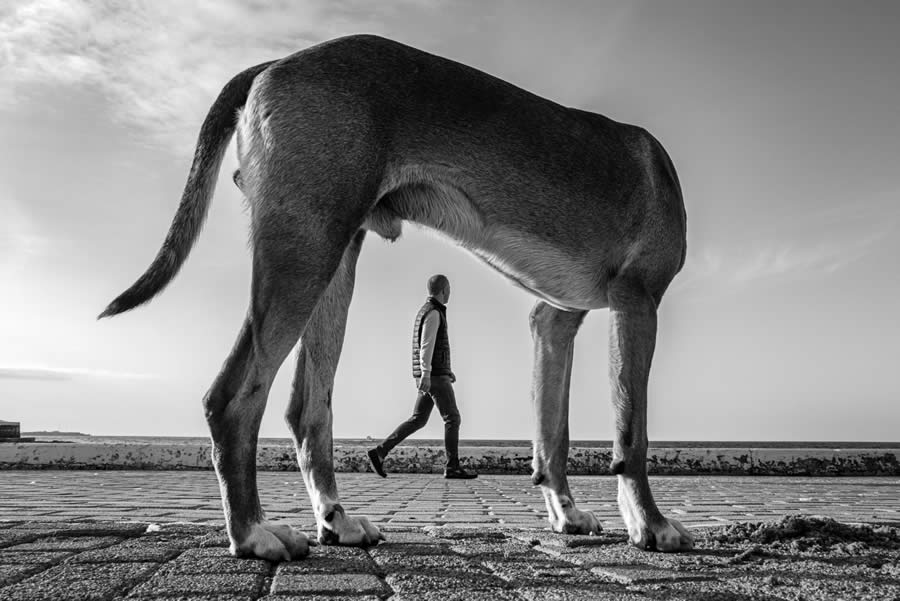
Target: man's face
[[447, 294]]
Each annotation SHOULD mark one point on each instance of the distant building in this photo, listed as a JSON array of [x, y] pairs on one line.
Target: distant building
[[9, 429], [10, 432]]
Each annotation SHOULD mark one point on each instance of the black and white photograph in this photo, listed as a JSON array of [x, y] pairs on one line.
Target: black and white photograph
[[449, 299]]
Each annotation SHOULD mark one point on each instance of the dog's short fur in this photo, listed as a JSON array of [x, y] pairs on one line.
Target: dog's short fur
[[363, 133]]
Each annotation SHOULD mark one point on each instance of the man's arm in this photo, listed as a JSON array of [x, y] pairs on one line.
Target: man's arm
[[427, 337]]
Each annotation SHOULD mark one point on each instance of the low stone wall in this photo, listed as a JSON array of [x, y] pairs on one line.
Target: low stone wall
[[485, 460]]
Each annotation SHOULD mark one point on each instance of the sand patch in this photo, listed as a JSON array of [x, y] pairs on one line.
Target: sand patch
[[809, 533]]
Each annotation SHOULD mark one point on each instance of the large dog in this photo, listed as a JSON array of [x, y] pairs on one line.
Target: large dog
[[362, 133]]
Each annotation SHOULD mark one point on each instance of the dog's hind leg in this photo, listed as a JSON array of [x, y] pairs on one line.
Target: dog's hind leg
[[554, 332], [292, 266], [309, 414], [234, 407], [632, 338]]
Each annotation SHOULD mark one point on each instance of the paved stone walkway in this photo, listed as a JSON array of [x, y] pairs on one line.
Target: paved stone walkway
[[428, 499], [88, 535]]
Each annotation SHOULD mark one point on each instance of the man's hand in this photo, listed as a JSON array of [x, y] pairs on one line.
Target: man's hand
[[452, 378], [425, 383]]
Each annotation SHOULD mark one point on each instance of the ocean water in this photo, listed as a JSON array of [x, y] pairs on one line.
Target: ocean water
[[685, 444]]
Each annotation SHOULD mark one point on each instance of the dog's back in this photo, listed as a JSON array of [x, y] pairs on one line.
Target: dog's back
[[525, 183]]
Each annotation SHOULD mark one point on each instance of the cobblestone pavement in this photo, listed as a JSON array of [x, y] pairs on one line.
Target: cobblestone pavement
[[428, 499], [84, 535]]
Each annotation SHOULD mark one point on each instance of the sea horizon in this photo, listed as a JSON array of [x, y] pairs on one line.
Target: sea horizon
[[79, 437]]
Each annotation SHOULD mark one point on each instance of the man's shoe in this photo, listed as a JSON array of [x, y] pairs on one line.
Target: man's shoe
[[375, 460], [458, 473]]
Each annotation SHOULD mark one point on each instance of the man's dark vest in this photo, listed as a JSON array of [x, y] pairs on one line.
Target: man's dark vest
[[440, 359]]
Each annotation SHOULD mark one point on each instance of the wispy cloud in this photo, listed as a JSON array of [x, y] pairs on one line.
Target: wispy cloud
[[781, 260], [162, 63], [797, 244], [738, 265], [31, 372]]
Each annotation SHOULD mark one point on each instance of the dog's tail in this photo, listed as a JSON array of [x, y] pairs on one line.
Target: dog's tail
[[216, 132]]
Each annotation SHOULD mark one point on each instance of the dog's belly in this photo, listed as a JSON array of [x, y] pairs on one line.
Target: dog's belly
[[567, 267], [567, 278], [548, 272]]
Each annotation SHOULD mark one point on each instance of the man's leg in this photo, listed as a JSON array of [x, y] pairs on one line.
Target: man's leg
[[421, 413], [445, 399]]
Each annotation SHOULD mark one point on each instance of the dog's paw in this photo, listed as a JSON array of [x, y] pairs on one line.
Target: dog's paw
[[575, 521], [668, 536], [338, 528], [296, 542], [272, 542]]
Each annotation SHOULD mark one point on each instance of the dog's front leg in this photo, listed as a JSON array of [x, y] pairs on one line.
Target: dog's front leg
[[309, 414], [554, 332], [632, 338]]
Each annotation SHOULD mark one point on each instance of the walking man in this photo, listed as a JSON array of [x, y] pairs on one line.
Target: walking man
[[431, 370]]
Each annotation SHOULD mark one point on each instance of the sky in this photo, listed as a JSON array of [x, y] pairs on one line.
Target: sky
[[782, 118]]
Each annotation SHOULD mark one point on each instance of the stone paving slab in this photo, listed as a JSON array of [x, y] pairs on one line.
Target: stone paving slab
[[57, 543], [766, 561]]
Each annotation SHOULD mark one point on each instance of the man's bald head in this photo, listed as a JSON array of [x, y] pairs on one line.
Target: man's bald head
[[439, 287]]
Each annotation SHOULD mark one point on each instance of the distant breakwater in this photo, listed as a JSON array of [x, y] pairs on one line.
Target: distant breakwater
[[510, 457]]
